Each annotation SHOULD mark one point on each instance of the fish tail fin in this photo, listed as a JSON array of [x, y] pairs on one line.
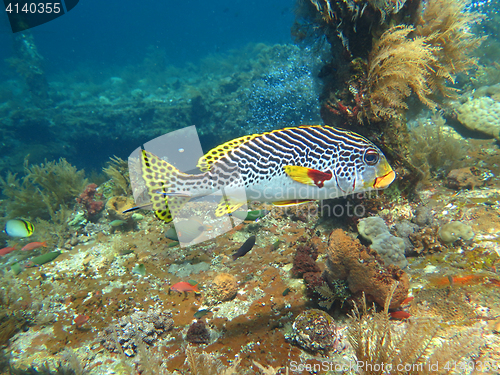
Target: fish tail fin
[[166, 186]]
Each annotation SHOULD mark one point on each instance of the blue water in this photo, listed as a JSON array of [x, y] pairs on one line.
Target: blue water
[[100, 32]]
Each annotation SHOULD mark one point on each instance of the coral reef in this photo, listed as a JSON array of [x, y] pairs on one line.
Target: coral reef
[[316, 331], [146, 326], [371, 227], [117, 170], [305, 260], [364, 271], [391, 249], [435, 148], [447, 26], [449, 303], [116, 205], [206, 364]]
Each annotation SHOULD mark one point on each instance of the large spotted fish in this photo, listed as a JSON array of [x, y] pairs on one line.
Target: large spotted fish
[[284, 167]]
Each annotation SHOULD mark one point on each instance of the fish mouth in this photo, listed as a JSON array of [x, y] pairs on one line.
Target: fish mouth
[[385, 180]]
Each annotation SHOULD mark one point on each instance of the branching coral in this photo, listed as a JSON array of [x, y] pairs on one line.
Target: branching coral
[[421, 59], [117, 170], [43, 190], [399, 65], [446, 24]]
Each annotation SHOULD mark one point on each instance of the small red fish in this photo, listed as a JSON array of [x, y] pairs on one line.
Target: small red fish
[[7, 250], [80, 320], [34, 245], [399, 315], [185, 287], [406, 301]]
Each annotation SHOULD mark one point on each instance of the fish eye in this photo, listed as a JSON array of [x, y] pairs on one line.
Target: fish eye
[[371, 156]]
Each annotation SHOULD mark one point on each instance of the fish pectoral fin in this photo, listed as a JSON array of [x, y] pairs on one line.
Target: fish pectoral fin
[[291, 202], [227, 206], [307, 176]]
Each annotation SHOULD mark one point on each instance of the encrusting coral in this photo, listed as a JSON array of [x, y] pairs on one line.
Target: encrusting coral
[[364, 271]]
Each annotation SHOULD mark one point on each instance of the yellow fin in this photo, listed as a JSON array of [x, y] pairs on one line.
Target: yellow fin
[[156, 174], [307, 176], [225, 206], [291, 202], [215, 154]]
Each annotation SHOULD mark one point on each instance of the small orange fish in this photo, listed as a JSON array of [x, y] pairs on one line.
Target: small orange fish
[[464, 280], [406, 301], [185, 287], [80, 320], [399, 315], [34, 245], [7, 250]]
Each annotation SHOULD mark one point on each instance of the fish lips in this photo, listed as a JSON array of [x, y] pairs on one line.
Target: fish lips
[[385, 180]]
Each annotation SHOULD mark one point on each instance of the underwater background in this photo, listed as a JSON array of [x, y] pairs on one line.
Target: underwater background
[[408, 276]]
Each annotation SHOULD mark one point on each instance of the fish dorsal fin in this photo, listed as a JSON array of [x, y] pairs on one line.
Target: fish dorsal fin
[[215, 154]]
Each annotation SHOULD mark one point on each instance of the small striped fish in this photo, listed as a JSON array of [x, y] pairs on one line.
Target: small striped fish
[[284, 167]]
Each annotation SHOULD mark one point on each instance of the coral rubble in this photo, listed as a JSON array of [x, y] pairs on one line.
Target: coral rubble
[[145, 326]]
